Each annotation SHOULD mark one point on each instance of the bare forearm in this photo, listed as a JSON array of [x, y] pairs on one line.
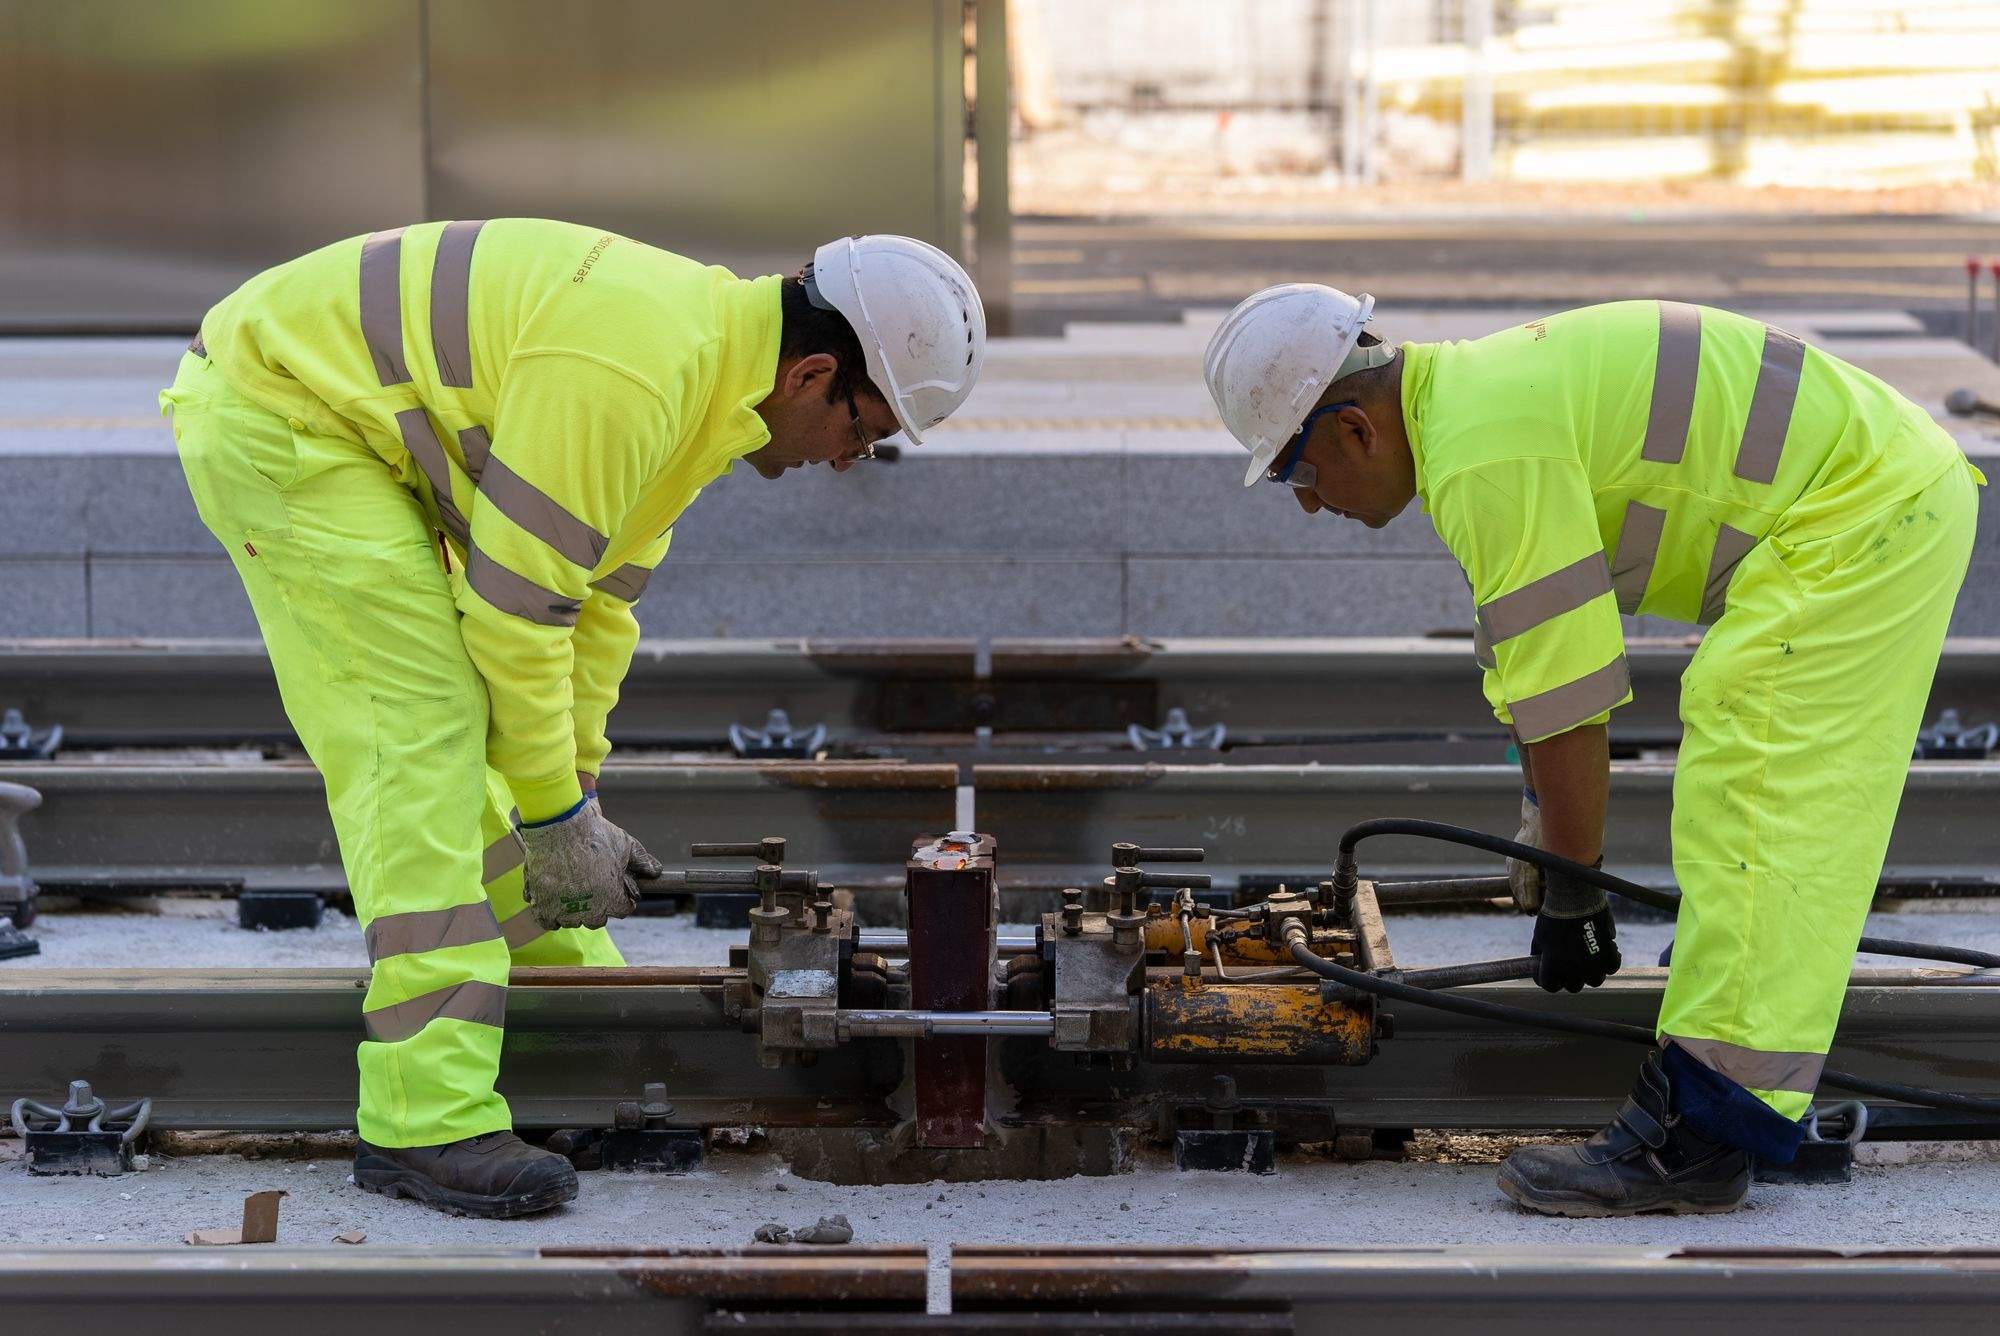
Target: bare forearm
[[1571, 776]]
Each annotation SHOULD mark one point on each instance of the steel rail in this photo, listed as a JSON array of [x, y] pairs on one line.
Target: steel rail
[[405, 1291], [213, 692], [265, 824], [273, 1050]]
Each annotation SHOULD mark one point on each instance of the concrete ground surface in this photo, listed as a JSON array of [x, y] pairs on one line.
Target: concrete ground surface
[[1905, 1197]]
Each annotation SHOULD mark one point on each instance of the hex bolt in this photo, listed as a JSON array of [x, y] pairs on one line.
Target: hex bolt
[[653, 1105], [83, 1104]]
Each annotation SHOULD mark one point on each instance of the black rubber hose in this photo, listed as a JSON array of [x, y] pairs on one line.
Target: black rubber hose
[[1506, 1014], [1665, 900]]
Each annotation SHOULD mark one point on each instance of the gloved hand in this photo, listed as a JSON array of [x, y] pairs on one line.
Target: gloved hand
[[582, 869], [1525, 879], [1574, 935]]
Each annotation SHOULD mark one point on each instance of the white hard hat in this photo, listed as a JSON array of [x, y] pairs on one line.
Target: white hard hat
[[1272, 358], [918, 316]]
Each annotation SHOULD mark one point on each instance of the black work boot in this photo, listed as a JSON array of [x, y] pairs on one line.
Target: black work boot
[[1648, 1159], [494, 1176]]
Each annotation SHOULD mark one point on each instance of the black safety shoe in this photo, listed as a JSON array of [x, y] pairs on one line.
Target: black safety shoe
[[493, 1176], [1648, 1159]]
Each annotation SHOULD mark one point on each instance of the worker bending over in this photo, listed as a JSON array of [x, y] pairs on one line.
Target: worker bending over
[[1656, 457], [445, 459]]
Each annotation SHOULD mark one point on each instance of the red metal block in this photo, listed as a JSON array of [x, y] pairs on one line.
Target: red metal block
[[953, 910]]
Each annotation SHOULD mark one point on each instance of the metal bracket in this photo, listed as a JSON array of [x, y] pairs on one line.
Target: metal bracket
[[641, 1136], [1951, 739], [18, 742], [1820, 1158], [1176, 734], [84, 1136], [777, 739], [17, 886], [1223, 1147]]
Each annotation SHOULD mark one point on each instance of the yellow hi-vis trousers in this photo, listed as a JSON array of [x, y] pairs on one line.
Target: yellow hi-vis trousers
[[348, 584], [1800, 711]]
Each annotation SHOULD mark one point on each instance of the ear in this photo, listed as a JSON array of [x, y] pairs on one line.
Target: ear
[[810, 373], [1356, 427]]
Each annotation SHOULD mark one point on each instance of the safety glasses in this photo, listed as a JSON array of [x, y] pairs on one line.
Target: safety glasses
[[1288, 468]]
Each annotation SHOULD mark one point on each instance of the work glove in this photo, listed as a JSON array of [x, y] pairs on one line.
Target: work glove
[[583, 870], [1525, 879], [1575, 940]]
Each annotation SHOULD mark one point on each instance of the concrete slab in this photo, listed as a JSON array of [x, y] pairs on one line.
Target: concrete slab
[[141, 505], [919, 596], [196, 596], [1294, 596], [44, 597], [44, 507]]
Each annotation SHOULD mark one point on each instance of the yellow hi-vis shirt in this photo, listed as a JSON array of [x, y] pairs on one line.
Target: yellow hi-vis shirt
[[555, 395], [1625, 458]]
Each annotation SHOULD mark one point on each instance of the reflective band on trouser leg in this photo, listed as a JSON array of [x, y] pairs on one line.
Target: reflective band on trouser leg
[[420, 439], [527, 941], [1770, 416], [517, 595], [1799, 713], [1545, 599], [451, 294], [1562, 708], [430, 930], [627, 582], [363, 638], [1638, 549], [474, 1001], [382, 305], [1674, 374], [1754, 1069], [1731, 546], [537, 513]]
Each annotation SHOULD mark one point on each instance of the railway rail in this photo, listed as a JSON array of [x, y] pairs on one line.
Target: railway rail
[[1205, 1291]]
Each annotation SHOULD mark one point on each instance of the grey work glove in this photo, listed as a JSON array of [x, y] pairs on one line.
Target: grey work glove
[[581, 870], [1525, 879]]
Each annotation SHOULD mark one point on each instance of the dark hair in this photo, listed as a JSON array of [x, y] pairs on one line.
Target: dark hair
[[807, 329]]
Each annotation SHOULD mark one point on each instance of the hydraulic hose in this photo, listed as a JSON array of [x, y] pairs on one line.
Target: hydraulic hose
[[1665, 900], [1507, 1014]]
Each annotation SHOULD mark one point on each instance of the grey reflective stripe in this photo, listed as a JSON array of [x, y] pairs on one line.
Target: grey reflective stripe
[[475, 445], [501, 857], [1731, 546], [420, 439], [1545, 599], [1482, 648], [627, 582], [1675, 370], [431, 930], [1754, 1068], [537, 512], [451, 288], [515, 594], [197, 347], [521, 929], [1562, 708], [382, 305], [1771, 406], [1638, 548], [480, 1003]]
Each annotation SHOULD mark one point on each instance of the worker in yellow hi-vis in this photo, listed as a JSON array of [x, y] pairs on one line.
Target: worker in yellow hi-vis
[[1670, 459], [444, 460]]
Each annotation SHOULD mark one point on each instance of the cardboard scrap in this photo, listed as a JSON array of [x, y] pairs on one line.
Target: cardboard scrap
[[350, 1236], [260, 1223]]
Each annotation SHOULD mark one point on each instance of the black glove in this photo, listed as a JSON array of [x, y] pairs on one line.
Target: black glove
[[1575, 938]]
